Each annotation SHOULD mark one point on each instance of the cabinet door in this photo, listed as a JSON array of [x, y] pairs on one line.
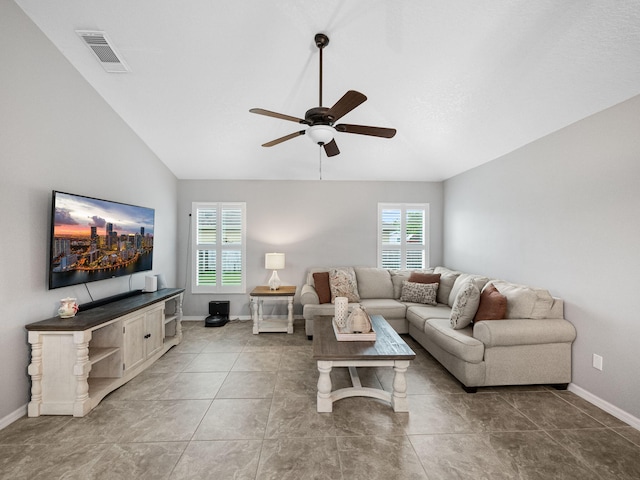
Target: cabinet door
[[154, 331], [134, 341]]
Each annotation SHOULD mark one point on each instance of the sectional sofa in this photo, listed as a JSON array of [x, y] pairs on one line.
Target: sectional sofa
[[529, 344]]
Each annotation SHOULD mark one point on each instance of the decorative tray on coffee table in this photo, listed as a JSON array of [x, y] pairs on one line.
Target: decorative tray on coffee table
[[344, 336]]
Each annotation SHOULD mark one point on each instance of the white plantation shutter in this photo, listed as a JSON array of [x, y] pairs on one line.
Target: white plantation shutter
[[219, 247], [402, 235]]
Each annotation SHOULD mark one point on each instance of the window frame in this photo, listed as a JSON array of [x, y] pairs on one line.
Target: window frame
[[218, 247], [404, 246]]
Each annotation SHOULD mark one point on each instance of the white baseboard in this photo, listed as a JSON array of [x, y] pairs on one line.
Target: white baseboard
[[13, 416], [606, 406]]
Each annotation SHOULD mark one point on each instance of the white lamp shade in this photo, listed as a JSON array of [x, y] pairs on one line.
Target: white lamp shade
[[274, 261], [321, 134]]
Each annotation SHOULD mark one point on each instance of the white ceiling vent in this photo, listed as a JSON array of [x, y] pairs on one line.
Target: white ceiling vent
[[103, 49]]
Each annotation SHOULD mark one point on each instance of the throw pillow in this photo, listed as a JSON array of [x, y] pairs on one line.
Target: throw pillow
[[493, 305], [418, 277], [342, 282], [465, 305], [419, 292], [321, 282]]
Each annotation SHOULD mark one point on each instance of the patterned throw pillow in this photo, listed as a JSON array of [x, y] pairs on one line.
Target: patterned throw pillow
[[342, 282], [419, 292], [465, 305]]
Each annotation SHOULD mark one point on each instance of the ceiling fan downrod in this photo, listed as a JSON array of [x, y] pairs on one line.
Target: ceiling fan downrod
[[321, 41]]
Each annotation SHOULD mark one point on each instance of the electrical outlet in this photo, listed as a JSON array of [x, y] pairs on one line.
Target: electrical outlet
[[597, 362]]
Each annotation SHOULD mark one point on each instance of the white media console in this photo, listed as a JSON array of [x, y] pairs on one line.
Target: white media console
[[76, 362]]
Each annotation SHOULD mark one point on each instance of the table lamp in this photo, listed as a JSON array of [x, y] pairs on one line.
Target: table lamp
[[275, 262]]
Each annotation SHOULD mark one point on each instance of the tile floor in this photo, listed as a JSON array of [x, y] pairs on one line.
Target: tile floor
[[226, 404]]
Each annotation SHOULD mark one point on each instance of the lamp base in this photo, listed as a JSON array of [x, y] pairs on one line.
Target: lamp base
[[274, 281]]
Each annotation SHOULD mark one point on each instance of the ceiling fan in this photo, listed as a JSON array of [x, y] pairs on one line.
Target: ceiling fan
[[321, 120]]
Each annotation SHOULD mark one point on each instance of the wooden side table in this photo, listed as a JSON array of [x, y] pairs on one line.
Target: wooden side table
[[257, 297]]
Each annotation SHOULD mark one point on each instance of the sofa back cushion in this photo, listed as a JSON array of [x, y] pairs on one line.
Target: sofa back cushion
[[447, 279], [524, 301], [478, 280], [374, 282]]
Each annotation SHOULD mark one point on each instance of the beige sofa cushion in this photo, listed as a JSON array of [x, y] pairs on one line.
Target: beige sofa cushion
[[374, 282], [418, 314], [447, 279], [459, 343], [387, 307], [524, 301]]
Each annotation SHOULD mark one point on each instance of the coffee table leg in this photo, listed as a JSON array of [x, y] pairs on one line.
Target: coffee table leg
[[324, 403], [399, 397]]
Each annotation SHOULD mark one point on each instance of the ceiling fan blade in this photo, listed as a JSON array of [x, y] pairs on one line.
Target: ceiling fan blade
[[365, 130], [283, 139], [281, 116], [348, 102], [331, 148]]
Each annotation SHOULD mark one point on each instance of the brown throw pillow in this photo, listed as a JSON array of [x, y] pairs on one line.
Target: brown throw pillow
[[493, 305], [417, 277], [321, 281]]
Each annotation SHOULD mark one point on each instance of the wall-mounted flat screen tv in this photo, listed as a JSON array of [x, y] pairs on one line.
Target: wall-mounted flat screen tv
[[93, 239]]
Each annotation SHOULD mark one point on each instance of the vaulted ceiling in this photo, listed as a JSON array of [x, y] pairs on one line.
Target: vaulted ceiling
[[462, 81]]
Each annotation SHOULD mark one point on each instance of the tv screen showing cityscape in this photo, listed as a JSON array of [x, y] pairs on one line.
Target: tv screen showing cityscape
[[93, 239]]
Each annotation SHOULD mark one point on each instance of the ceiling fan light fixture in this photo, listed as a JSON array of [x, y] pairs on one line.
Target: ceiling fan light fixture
[[321, 134]]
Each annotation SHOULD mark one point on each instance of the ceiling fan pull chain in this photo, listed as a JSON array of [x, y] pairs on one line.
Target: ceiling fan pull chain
[[320, 161]]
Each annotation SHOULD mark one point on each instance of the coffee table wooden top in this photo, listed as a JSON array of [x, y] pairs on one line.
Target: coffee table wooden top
[[388, 345]]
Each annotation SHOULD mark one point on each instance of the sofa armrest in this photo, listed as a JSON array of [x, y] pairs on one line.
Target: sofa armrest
[[308, 295], [494, 333]]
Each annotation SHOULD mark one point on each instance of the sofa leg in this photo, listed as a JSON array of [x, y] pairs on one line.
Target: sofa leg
[[470, 389], [309, 337], [560, 386]]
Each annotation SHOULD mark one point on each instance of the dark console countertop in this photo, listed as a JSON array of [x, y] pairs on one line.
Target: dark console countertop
[[104, 313]]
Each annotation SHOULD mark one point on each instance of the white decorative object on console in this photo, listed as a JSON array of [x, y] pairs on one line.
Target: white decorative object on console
[[275, 262], [68, 307], [150, 283]]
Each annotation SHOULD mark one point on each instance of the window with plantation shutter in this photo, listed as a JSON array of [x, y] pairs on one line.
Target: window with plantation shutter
[[402, 235], [218, 247]]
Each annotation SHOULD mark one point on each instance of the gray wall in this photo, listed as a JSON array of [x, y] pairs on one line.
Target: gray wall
[[564, 213], [57, 133], [315, 223]]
